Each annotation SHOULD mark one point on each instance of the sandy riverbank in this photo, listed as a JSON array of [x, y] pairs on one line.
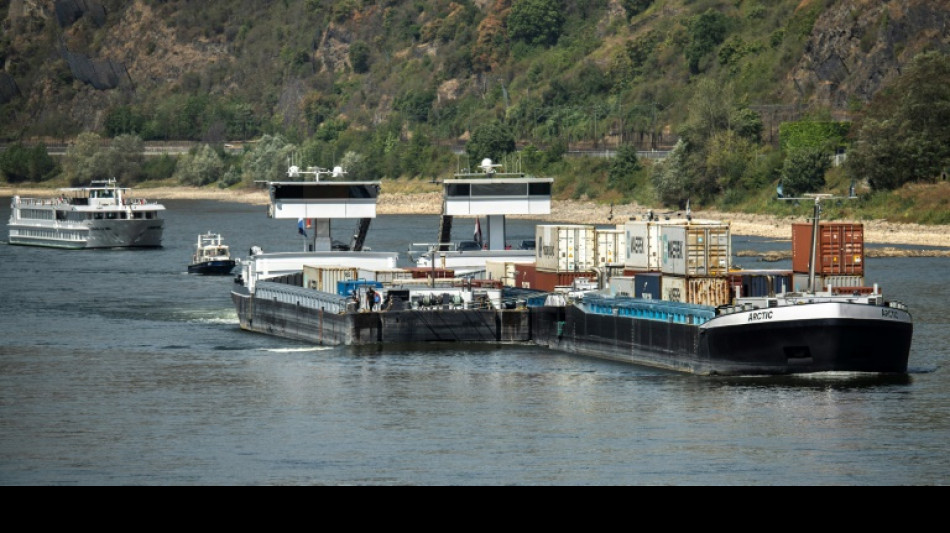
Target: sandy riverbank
[[573, 212]]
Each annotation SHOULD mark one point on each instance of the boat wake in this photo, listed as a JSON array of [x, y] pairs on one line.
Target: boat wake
[[298, 350]]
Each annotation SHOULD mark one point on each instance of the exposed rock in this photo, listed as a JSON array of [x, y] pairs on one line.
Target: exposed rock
[[857, 46]]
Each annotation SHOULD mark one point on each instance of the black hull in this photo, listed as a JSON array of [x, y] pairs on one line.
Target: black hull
[[775, 348], [796, 346], [826, 345], [392, 327], [212, 268]]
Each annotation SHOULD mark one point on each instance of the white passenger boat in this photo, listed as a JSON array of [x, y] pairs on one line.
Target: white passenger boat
[[102, 215]]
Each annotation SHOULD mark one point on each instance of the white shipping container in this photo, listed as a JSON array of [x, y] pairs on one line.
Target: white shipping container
[[642, 246], [611, 247], [565, 248], [711, 291], [644, 251], [385, 276], [324, 278], [695, 250]]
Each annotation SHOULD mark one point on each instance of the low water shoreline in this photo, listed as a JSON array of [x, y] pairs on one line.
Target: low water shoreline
[[570, 212]]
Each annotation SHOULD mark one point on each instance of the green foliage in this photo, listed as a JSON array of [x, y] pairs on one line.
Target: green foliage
[[671, 178], [706, 32], [19, 163], [828, 136], [536, 22], [159, 168], [124, 119], [268, 160], [622, 169], [91, 158], [415, 104], [905, 136], [804, 171], [200, 166], [359, 57], [492, 141], [635, 7]]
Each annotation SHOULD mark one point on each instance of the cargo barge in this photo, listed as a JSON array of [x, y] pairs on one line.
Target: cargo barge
[[678, 305]]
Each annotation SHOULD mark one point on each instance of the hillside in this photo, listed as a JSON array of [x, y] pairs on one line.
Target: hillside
[[291, 66], [395, 89]]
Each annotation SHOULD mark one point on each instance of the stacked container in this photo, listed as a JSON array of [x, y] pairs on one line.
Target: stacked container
[[565, 248], [610, 247], [839, 250], [387, 276], [324, 278], [503, 271], [529, 276]]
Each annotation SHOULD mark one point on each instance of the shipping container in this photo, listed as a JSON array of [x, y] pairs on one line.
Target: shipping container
[[611, 247], [565, 248], [647, 285], [324, 278], [386, 276], [695, 250], [528, 276], [503, 271], [706, 290], [622, 286], [644, 251], [642, 246], [427, 273], [839, 250], [759, 283]]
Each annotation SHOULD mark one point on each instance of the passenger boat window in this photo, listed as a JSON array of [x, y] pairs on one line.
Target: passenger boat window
[[98, 216]]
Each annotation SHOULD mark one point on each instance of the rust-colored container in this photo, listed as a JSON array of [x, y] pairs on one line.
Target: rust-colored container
[[705, 290], [528, 276], [426, 273], [840, 248]]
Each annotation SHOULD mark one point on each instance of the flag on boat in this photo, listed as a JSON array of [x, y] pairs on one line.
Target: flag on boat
[[300, 229], [478, 231]]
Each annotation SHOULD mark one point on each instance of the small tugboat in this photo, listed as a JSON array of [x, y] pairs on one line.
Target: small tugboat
[[211, 256]]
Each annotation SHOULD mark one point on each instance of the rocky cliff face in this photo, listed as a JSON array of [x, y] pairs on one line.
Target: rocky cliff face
[[858, 45]]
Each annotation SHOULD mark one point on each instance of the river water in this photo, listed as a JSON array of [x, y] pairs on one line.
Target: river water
[[119, 368]]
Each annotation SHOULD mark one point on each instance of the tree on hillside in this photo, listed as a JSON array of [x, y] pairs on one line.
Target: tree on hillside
[[623, 167], [635, 7], [89, 158], [19, 163], [493, 141], [718, 123], [269, 159], [671, 178], [905, 136], [200, 166], [706, 32], [537, 22], [804, 171]]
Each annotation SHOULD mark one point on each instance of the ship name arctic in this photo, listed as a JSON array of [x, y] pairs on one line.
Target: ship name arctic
[[760, 315]]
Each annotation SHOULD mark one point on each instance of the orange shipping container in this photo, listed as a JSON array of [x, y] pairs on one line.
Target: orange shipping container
[[840, 248]]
